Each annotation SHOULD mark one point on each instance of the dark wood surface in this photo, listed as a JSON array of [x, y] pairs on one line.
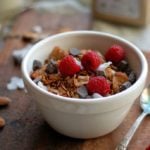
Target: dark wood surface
[[25, 128]]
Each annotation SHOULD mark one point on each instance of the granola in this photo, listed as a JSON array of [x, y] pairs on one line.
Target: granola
[[50, 77]]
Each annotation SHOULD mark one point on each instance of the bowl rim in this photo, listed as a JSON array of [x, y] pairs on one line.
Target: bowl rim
[[142, 76]]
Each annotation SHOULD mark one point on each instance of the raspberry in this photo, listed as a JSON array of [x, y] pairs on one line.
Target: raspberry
[[98, 85], [91, 60], [115, 54], [148, 148], [68, 66]]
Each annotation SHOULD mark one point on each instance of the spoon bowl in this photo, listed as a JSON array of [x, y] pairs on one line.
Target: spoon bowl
[[145, 100]]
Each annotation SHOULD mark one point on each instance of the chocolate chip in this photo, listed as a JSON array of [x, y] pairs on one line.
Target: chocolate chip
[[51, 68], [128, 70], [36, 65], [122, 66], [132, 77], [125, 85], [74, 51], [82, 91]]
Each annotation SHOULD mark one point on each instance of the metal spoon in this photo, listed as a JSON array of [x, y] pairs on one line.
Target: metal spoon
[[145, 104]]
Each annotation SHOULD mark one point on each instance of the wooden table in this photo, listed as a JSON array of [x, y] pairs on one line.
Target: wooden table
[[25, 128]]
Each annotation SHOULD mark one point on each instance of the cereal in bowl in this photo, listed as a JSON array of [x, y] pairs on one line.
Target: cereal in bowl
[[84, 73]]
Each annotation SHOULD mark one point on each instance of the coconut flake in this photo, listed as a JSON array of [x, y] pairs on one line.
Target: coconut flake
[[41, 85], [96, 95], [15, 83], [79, 63], [103, 66]]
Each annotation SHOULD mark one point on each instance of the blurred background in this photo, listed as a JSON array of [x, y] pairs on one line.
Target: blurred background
[[126, 18]]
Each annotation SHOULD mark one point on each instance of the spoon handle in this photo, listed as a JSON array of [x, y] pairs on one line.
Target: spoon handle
[[125, 141]]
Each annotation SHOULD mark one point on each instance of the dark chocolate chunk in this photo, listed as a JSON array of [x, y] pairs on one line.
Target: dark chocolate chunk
[[128, 70], [122, 66], [51, 68], [82, 91], [36, 65], [132, 77], [74, 51], [125, 85]]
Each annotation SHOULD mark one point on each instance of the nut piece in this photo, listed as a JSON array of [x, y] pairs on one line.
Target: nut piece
[[81, 80], [2, 122], [4, 100], [118, 79], [58, 54], [109, 73]]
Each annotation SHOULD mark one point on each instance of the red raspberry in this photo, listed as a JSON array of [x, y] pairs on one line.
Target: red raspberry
[[115, 54], [98, 85], [148, 148], [91, 60], [68, 66]]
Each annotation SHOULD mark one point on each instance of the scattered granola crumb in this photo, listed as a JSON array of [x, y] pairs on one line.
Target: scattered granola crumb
[[2, 122]]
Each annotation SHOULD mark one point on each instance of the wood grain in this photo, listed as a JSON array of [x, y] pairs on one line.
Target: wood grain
[[25, 127]]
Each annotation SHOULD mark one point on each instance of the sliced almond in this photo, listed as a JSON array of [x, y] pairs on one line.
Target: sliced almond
[[4, 100], [2, 122]]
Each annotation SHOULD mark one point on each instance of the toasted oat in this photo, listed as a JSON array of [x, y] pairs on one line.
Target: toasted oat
[[53, 90], [81, 80], [118, 79], [109, 73]]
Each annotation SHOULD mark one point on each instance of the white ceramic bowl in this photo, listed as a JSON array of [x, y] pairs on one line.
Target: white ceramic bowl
[[85, 118]]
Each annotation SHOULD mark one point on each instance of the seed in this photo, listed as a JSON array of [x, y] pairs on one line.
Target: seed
[[125, 85], [74, 51], [4, 100], [132, 77], [2, 122], [36, 65]]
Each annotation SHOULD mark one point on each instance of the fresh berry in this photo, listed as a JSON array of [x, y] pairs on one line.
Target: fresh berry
[[91, 60], [98, 85], [148, 148], [115, 54], [68, 66]]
